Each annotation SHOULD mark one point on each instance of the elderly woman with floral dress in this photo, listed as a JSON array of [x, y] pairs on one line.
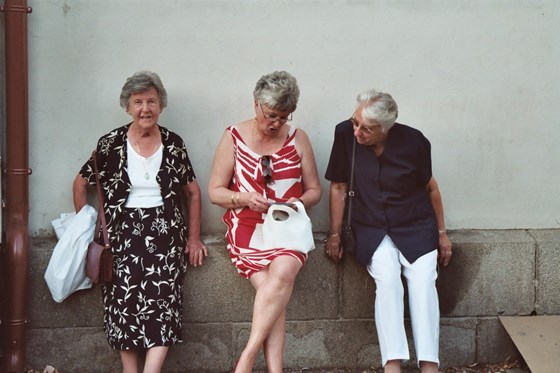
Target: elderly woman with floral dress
[[145, 174]]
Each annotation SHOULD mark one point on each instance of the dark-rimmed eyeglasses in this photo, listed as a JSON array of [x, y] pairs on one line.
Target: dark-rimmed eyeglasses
[[362, 127], [274, 118], [267, 171]]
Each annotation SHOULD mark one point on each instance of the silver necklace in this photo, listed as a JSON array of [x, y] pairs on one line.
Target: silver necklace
[[146, 162]]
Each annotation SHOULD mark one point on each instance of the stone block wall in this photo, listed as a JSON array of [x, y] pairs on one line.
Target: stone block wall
[[330, 316]]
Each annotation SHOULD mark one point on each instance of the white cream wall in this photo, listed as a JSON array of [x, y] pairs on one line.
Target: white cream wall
[[479, 78]]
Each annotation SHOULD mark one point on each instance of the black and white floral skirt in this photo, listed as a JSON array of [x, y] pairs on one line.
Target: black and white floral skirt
[[144, 303]]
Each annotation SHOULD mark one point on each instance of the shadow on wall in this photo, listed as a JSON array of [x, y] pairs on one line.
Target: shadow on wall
[[455, 280]]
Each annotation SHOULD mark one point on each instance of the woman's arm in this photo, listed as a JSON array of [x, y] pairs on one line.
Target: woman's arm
[[311, 185], [437, 204], [195, 247], [221, 174], [79, 192], [220, 178], [337, 200]]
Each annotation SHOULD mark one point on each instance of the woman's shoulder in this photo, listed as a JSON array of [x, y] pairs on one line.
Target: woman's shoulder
[[115, 136], [407, 136], [344, 127], [408, 131], [241, 131], [116, 131], [168, 136]]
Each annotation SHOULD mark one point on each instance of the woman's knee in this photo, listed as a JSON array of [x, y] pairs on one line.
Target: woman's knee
[[284, 269], [389, 281]]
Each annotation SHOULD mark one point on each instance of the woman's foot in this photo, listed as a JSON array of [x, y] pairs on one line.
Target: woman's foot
[[244, 364]]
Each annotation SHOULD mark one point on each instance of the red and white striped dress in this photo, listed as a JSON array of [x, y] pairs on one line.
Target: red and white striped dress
[[244, 226]]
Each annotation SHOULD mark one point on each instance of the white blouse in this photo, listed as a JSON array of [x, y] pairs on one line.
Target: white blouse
[[142, 171]]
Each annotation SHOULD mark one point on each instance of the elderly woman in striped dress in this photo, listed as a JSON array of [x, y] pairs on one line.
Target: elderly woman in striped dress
[[259, 161]]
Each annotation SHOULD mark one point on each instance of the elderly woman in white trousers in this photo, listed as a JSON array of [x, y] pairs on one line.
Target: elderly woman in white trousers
[[398, 220]]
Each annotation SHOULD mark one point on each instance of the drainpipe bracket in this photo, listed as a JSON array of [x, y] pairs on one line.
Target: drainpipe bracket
[[15, 8], [18, 171]]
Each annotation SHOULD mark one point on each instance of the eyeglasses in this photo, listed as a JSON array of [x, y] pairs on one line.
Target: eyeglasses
[[274, 118], [362, 127], [267, 171]]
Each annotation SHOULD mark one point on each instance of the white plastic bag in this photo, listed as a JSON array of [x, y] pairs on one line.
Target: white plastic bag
[[285, 227], [66, 272], [62, 223]]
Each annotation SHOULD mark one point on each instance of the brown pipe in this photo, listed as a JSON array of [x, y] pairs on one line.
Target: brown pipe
[[17, 187]]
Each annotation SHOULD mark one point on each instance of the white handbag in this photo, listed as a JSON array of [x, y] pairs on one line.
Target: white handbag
[[285, 227], [66, 272]]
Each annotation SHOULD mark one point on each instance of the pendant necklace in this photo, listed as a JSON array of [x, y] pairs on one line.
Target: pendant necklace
[[146, 162]]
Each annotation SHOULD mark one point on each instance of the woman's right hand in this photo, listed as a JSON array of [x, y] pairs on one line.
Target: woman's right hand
[[333, 248], [254, 201]]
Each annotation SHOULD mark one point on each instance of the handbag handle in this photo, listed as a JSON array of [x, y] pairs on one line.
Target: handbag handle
[[351, 188], [288, 210], [101, 211]]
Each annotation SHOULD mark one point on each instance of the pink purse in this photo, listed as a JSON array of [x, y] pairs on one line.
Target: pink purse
[[99, 261]]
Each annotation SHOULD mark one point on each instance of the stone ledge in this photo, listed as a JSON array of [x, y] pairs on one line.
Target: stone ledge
[[330, 316], [213, 347]]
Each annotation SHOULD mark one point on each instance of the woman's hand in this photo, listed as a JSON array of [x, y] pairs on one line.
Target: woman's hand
[[196, 250], [333, 248], [445, 251], [254, 201]]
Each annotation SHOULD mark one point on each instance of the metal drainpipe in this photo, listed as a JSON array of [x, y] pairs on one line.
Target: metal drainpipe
[[17, 187]]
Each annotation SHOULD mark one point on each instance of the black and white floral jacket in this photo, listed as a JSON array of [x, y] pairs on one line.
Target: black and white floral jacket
[[175, 171]]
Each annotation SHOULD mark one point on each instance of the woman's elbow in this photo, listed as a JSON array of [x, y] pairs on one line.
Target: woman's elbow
[[79, 192], [212, 195]]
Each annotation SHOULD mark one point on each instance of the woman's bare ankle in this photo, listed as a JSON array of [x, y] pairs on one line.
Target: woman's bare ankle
[[392, 366]]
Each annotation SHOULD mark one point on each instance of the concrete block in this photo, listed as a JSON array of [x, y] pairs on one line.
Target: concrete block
[[82, 309], [457, 346], [215, 292], [491, 274], [547, 278], [206, 348], [358, 291], [316, 291], [493, 343], [323, 344], [82, 350]]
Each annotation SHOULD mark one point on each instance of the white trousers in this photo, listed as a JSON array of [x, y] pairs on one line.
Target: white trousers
[[386, 267]]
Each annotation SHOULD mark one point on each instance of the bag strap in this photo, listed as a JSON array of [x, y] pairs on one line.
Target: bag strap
[[351, 187], [101, 211]]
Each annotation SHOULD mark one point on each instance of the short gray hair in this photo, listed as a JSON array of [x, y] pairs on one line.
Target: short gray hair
[[140, 82], [278, 90], [379, 106]]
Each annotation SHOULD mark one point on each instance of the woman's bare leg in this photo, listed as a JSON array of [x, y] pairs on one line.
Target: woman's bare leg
[[274, 345], [428, 367], [274, 287], [129, 361], [392, 366], [155, 357]]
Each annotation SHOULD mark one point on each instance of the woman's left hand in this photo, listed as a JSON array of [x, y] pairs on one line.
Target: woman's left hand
[[333, 248], [196, 250], [445, 251]]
